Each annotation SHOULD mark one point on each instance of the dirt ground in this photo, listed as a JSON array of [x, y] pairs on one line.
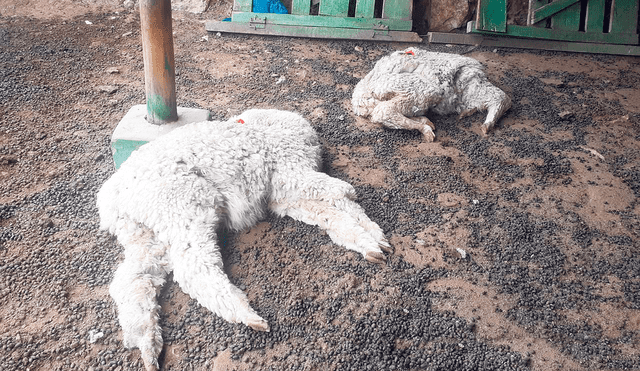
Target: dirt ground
[[515, 251]]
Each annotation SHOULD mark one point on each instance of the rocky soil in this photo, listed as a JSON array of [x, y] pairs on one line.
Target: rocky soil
[[515, 251]]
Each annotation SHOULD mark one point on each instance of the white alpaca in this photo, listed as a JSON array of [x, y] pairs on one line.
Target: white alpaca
[[167, 199], [404, 86]]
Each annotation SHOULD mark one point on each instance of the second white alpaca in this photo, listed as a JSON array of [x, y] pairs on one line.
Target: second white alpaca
[[167, 199], [402, 87]]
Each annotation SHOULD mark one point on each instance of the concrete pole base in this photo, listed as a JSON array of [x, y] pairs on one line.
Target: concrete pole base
[[134, 130]]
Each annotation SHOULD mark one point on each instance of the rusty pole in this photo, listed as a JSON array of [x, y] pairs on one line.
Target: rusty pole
[[159, 64]]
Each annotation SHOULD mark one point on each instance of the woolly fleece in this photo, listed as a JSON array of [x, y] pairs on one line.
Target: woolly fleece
[[402, 87], [166, 201]]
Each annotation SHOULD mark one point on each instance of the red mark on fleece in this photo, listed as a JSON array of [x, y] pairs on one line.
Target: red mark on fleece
[[241, 121]]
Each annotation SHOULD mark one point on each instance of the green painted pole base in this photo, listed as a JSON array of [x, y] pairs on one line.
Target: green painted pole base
[[134, 130]]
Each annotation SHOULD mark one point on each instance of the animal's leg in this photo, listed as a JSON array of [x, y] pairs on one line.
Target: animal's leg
[[389, 113], [314, 185], [496, 108], [350, 207], [479, 94], [328, 203], [197, 267], [134, 289]]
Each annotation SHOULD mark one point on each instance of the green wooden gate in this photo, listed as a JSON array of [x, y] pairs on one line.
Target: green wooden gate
[[381, 20], [589, 24]]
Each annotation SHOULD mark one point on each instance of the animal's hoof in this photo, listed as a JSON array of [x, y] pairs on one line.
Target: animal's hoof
[[429, 136], [149, 359], [485, 129], [375, 257], [384, 245], [258, 325]]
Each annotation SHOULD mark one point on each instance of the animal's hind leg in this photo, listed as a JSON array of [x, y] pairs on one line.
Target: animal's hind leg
[[479, 94], [198, 269], [495, 109], [328, 203], [134, 289]]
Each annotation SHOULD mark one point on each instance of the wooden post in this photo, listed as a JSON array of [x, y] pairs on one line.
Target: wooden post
[[159, 64]]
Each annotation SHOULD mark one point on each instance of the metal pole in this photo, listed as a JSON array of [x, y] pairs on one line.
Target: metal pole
[[159, 64]]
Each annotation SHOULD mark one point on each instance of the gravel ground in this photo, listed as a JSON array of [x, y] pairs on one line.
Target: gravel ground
[[516, 251]]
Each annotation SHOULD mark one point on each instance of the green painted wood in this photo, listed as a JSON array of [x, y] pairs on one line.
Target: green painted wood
[[301, 7], [567, 20], [334, 8], [498, 40], [123, 148], [624, 16], [550, 9], [533, 5], [397, 9], [314, 32], [365, 8], [595, 16], [242, 5], [319, 21], [492, 15], [552, 34]]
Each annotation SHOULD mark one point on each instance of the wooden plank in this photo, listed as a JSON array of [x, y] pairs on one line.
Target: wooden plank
[[301, 7], [550, 9], [242, 5], [454, 38], [314, 32], [567, 20], [533, 5], [334, 8], [624, 17], [552, 34], [595, 16], [397, 9], [492, 15], [365, 8], [320, 21], [519, 43]]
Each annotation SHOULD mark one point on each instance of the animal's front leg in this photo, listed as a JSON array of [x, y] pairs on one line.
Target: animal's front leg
[[198, 270], [134, 289], [350, 207], [343, 228], [428, 128], [327, 202], [389, 113]]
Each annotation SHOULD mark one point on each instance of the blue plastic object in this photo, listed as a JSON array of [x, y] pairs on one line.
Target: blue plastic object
[[269, 6]]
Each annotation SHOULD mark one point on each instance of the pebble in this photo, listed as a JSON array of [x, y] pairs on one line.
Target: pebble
[[109, 89]]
